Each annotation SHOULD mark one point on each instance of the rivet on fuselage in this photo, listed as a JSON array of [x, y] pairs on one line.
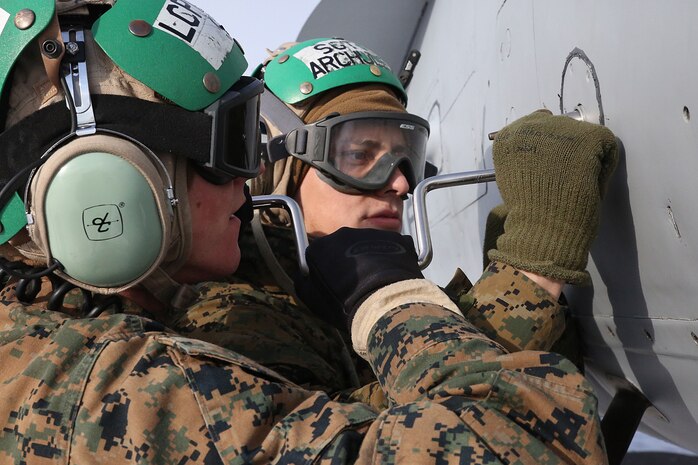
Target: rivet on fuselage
[[24, 19]]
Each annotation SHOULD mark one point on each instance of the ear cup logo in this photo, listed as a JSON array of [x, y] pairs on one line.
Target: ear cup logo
[[102, 222]]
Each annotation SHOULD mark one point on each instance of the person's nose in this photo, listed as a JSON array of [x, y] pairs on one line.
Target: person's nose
[[397, 183]]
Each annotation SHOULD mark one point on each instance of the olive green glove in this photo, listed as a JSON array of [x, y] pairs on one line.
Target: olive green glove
[[552, 172]]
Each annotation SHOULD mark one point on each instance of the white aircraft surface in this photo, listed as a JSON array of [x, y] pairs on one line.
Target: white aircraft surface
[[628, 65]]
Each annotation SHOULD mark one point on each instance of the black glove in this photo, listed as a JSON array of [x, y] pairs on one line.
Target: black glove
[[347, 266]]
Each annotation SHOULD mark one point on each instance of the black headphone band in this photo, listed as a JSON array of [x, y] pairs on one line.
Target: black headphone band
[[161, 127]]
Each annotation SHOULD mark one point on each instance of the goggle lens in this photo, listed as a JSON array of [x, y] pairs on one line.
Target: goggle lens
[[368, 150], [241, 147], [235, 150]]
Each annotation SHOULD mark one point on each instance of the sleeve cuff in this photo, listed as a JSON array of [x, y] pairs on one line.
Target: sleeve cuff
[[384, 300]]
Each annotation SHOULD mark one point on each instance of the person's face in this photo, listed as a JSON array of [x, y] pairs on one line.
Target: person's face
[[325, 209], [215, 229]]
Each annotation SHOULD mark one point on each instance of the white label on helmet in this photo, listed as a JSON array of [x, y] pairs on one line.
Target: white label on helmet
[[4, 16], [407, 126], [188, 23], [330, 55]]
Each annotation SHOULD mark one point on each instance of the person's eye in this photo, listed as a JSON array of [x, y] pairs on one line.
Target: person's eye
[[356, 156]]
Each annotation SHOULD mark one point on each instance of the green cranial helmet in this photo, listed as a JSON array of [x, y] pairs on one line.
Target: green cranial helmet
[[318, 65], [19, 26], [172, 47]]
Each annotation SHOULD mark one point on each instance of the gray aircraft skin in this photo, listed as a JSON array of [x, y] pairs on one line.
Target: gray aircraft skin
[[628, 65]]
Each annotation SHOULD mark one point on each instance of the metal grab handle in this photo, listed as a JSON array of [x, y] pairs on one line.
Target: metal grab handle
[[420, 211], [299, 233], [421, 220]]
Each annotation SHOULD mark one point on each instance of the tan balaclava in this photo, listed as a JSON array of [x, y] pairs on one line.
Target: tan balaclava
[[32, 89], [285, 176]]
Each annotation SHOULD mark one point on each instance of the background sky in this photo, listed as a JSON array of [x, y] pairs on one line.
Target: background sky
[[261, 24], [268, 23]]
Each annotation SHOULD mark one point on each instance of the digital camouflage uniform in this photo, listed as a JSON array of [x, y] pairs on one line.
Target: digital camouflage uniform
[[122, 388], [298, 345], [504, 304]]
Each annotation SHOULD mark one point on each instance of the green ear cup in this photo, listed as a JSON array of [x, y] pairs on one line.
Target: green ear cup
[[105, 229]]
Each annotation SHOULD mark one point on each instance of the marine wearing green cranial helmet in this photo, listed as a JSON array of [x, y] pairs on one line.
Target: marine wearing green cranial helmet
[[328, 87], [106, 106]]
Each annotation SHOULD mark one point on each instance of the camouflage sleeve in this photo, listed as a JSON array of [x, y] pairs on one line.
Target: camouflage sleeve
[[122, 390], [456, 393], [512, 309], [509, 308]]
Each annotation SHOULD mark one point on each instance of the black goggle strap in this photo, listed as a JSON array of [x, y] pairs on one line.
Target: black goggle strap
[[276, 148], [277, 118], [186, 132], [275, 112], [163, 128]]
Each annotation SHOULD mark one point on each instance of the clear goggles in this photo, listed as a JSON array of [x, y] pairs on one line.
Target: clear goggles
[[235, 137], [359, 152]]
